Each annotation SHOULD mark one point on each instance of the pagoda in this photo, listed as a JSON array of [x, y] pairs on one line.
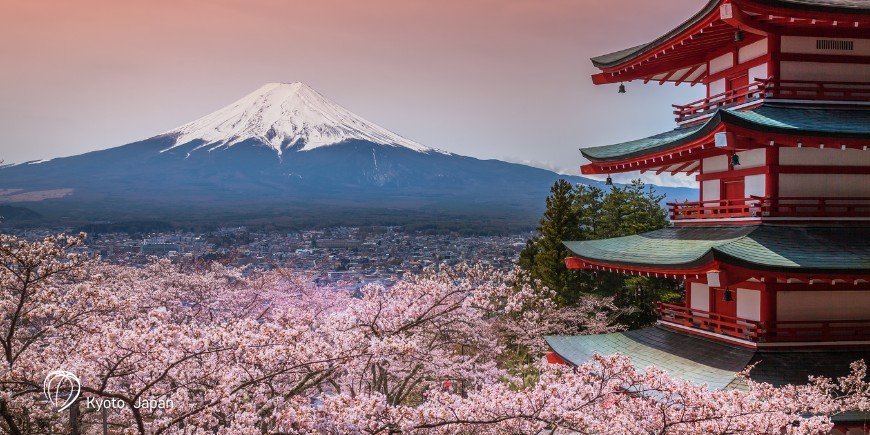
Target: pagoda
[[775, 254]]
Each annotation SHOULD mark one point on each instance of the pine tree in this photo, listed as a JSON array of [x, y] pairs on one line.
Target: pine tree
[[632, 209], [585, 213], [544, 256]]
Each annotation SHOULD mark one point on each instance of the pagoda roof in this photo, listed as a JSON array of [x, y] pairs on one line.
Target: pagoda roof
[[679, 55], [830, 6], [775, 118], [776, 248], [622, 56], [703, 361]]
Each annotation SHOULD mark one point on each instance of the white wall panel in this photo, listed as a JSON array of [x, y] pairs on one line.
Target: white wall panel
[[824, 72], [807, 45], [758, 72], [749, 304], [710, 190], [824, 185], [721, 63], [752, 158], [714, 164], [752, 51], [717, 87], [823, 157], [822, 305], [755, 185], [700, 296]]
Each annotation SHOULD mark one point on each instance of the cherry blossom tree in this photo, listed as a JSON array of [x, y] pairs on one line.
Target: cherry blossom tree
[[272, 353]]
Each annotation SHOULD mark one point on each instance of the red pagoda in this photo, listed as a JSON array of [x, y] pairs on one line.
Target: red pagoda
[[775, 255]]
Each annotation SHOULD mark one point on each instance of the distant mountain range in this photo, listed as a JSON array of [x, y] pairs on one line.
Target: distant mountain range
[[283, 154]]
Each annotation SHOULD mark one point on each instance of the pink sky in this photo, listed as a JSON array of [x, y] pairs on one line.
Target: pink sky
[[502, 79]]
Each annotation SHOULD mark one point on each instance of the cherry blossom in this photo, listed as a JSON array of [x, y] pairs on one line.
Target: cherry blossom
[[452, 351]]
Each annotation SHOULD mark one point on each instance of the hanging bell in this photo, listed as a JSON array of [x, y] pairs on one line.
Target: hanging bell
[[622, 88], [738, 36], [735, 160], [728, 297], [609, 181]]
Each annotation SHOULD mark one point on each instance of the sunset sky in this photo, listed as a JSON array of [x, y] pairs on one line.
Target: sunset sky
[[506, 79]]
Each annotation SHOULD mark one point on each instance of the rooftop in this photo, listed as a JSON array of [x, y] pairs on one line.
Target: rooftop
[[799, 249], [703, 361], [815, 121], [708, 17]]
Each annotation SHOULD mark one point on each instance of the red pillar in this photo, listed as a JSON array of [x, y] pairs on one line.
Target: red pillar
[[772, 178]]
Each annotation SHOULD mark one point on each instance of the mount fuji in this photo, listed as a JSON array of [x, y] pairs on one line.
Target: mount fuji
[[283, 153]]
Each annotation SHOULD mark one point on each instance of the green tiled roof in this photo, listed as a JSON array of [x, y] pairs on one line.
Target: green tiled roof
[[659, 142], [704, 361], [683, 356], [769, 247], [778, 118], [807, 120]]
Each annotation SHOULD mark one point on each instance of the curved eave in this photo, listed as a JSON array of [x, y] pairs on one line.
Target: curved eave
[[703, 361], [787, 126], [621, 57], [800, 252], [746, 120], [611, 153], [820, 6], [678, 55]]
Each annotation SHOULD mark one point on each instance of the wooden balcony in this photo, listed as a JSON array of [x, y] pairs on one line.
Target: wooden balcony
[[781, 207], [770, 89], [766, 332], [753, 92], [806, 90]]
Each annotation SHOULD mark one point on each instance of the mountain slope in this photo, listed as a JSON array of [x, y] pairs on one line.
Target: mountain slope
[[286, 151], [286, 116]]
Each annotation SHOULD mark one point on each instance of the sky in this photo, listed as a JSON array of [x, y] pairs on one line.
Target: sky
[[502, 79]]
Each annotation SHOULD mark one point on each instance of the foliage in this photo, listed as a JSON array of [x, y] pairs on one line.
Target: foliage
[[576, 213], [273, 354]]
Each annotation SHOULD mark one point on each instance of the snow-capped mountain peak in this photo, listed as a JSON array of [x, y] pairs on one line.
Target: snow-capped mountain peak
[[284, 116]]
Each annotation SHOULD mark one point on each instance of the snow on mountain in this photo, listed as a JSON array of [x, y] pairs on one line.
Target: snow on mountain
[[286, 116]]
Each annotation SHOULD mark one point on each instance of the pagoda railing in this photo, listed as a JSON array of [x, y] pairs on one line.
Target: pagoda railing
[[744, 94], [814, 207], [780, 207], [766, 332], [810, 90], [710, 322], [816, 331], [714, 209], [769, 88]]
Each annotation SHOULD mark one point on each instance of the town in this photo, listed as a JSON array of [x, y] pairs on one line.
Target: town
[[352, 256]]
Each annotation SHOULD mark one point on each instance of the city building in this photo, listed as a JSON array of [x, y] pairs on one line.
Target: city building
[[775, 255]]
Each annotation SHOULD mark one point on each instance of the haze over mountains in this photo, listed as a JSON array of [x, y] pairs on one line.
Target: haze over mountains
[[282, 153]]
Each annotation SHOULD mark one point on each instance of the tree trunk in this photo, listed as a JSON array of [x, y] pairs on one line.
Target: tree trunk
[[74, 419]]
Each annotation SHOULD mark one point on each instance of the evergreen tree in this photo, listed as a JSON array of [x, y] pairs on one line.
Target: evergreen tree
[[544, 256], [586, 213], [628, 210]]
